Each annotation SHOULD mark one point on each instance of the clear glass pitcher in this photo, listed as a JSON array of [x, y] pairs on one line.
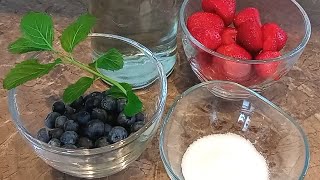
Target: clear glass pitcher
[[153, 23]]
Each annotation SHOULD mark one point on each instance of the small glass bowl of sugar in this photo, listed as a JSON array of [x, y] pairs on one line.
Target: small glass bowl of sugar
[[210, 132]]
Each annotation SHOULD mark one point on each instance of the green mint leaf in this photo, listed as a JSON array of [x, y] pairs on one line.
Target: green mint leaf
[[74, 91], [58, 61], [26, 71], [77, 32], [126, 86], [111, 60], [115, 92], [134, 104], [23, 45], [37, 27], [92, 65]]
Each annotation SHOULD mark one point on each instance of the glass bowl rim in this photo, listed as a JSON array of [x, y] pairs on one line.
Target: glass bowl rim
[[252, 93], [288, 55], [160, 104]]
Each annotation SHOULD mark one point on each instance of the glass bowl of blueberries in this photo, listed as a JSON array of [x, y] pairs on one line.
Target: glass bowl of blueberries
[[90, 137]]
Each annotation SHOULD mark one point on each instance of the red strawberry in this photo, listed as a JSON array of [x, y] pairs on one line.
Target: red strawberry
[[207, 68], [206, 21], [274, 38], [224, 8], [203, 59], [234, 71], [250, 36], [208, 37], [269, 69], [247, 14], [253, 80], [269, 43], [229, 36]]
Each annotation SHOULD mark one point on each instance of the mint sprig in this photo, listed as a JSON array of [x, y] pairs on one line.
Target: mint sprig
[[23, 45], [133, 100], [74, 91], [37, 35], [111, 60], [133, 104], [77, 32], [26, 71]]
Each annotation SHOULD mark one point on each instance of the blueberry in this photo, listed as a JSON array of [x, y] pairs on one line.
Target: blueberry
[[136, 126], [69, 146], [83, 131], [95, 94], [54, 142], [109, 103], [117, 134], [74, 116], [103, 141], [56, 133], [107, 129], [85, 142], [133, 119], [83, 117], [125, 121], [92, 103], [140, 116], [71, 125], [77, 104], [51, 119], [100, 114], [59, 107], [95, 129], [60, 121], [69, 137], [69, 112], [43, 135], [121, 103], [112, 118]]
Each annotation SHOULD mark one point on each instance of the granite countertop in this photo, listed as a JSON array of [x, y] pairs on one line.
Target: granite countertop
[[296, 93]]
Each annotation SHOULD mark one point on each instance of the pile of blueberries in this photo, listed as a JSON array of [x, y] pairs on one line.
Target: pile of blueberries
[[93, 121]]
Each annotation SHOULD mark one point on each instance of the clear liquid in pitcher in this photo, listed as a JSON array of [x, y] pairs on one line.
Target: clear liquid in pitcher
[[153, 23]]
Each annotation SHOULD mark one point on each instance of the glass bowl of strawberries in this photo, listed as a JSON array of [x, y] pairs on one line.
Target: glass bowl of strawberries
[[253, 42]]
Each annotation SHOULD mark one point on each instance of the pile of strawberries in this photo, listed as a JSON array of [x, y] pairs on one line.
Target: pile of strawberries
[[239, 35]]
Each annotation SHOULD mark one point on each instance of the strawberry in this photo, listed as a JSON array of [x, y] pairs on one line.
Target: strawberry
[[274, 38], [206, 21], [247, 14], [234, 71], [208, 37], [229, 36], [250, 36], [224, 8], [253, 80], [203, 59], [269, 43], [207, 68], [267, 70]]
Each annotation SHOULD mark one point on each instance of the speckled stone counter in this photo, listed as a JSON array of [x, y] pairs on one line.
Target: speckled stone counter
[[297, 94]]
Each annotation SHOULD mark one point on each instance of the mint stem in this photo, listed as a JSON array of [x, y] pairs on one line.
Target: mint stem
[[71, 60]]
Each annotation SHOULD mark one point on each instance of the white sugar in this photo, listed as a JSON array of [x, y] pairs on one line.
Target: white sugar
[[224, 157]]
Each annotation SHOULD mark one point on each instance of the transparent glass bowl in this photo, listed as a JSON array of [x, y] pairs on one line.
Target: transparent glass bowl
[[208, 109], [30, 103], [287, 13]]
